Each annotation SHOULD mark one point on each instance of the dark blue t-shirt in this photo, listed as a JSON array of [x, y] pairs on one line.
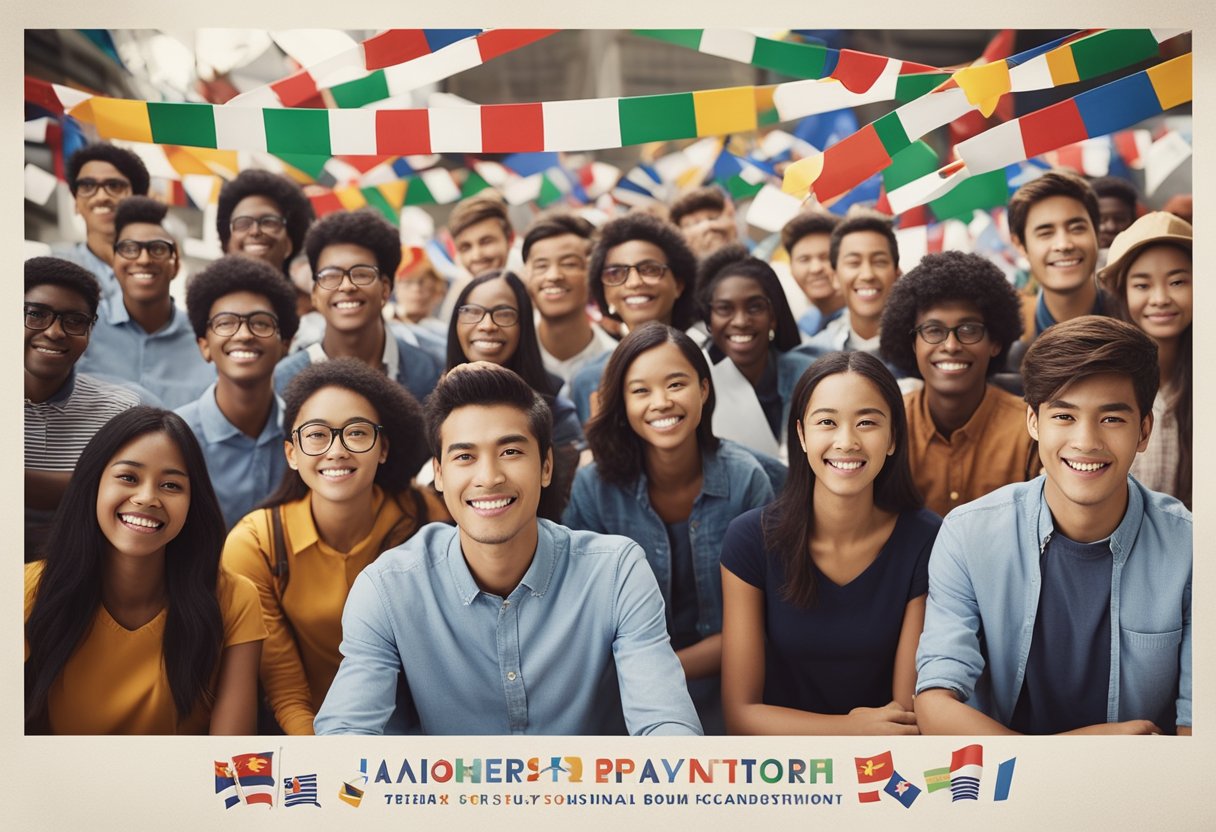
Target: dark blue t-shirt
[[839, 654], [1068, 669], [682, 613]]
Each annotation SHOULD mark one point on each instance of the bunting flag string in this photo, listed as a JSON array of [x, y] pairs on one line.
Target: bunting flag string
[[870, 149], [857, 71], [389, 64]]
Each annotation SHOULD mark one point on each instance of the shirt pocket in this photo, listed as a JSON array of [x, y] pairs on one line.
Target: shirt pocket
[[1149, 665]]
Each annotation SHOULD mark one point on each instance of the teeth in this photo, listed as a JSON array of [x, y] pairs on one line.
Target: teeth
[[741, 339], [103, 209], [348, 304], [637, 300], [490, 505], [665, 422], [135, 520], [950, 365], [1085, 466], [1066, 264], [337, 472], [844, 466], [243, 354], [486, 346], [554, 291], [49, 351], [867, 293]]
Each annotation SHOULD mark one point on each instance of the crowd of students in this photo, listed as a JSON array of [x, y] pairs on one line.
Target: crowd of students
[[615, 479]]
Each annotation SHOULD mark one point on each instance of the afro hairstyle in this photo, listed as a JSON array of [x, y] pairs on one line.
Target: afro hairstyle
[[234, 273]]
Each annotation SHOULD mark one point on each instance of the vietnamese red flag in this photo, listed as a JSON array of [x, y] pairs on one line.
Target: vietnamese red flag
[[877, 769]]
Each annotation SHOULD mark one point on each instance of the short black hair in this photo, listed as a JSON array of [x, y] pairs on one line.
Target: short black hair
[[734, 261], [127, 163], [41, 271], [806, 224], [556, 224], [708, 198], [680, 259], [1120, 189], [863, 222], [485, 387], [235, 273], [135, 209], [363, 228], [944, 278], [280, 190]]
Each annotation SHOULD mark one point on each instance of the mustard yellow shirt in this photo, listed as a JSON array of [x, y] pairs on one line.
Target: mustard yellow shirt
[[297, 671], [115, 681], [986, 453]]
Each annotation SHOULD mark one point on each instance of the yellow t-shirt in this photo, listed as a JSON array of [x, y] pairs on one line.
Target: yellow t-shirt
[[297, 672], [115, 681]]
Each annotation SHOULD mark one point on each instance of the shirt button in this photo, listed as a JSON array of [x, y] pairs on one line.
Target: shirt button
[[511, 676], [506, 604], [953, 495]]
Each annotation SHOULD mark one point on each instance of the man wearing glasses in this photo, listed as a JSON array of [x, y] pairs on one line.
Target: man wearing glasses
[[951, 321], [243, 314], [264, 216], [141, 336], [354, 256], [63, 408], [555, 253], [99, 175]]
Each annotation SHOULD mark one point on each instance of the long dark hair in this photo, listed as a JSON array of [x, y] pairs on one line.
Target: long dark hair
[[399, 412], [525, 361], [619, 452], [69, 591], [788, 522], [734, 261]]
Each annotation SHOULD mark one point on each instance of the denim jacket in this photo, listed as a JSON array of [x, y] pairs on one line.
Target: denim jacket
[[984, 584], [732, 482]]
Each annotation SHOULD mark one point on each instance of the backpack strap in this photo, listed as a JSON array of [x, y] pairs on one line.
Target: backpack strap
[[279, 567]]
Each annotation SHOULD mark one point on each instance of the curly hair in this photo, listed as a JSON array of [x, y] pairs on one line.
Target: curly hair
[[363, 228], [951, 276], [555, 224], [399, 413], [136, 209], [863, 222], [127, 163], [41, 271], [234, 273], [280, 190], [734, 261], [680, 259], [1052, 183], [709, 198], [806, 224]]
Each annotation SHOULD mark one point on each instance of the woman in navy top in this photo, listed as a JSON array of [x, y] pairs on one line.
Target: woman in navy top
[[662, 478], [824, 590]]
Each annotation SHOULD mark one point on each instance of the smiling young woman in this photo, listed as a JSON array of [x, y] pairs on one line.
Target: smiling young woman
[[131, 625], [347, 496]]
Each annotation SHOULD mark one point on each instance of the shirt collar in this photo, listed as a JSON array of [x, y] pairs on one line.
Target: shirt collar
[[715, 479], [1121, 539], [217, 428], [537, 578], [116, 313], [927, 429], [65, 391]]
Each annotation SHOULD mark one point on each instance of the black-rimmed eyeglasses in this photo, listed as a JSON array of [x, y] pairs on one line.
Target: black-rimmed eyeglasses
[[316, 438], [39, 316], [966, 333], [260, 324], [331, 277]]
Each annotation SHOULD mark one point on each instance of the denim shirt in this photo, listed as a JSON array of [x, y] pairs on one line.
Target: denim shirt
[[585, 621], [983, 599], [414, 368], [732, 482], [585, 382]]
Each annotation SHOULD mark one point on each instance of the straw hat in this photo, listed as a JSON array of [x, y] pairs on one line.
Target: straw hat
[[1151, 229]]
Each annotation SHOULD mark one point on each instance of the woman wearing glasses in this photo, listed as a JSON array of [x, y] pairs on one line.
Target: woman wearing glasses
[[950, 321], [754, 350], [352, 447], [493, 321]]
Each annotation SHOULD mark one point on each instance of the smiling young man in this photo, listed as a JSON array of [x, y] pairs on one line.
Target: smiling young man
[[807, 239], [555, 251], [244, 316], [99, 175], [1063, 605], [141, 336], [354, 256], [63, 408], [506, 624], [263, 215], [950, 321]]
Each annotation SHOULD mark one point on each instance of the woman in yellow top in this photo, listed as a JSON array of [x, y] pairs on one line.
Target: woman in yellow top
[[131, 626], [355, 442]]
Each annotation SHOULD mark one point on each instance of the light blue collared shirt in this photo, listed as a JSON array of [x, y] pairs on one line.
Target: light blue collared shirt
[[243, 470], [167, 362], [82, 255], [984, 583], [585, 621]]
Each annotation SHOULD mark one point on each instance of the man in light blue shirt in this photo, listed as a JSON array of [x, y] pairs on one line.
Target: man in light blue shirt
[[140, 335], [244, 315], [506, 624], [1063, 605]]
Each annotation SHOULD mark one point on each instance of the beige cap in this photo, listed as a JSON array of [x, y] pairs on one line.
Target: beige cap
[[1152, 228]]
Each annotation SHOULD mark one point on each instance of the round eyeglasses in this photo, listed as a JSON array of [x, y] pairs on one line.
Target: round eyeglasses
[[260, 324], [966, 333], [157, 249], [39, 316], [114, 187], [331, 276], [471, 314], [651, 271], [268, 224], [316, 438]]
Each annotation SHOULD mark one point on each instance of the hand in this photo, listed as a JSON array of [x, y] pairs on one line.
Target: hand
[[889, 719], [1131, 727]]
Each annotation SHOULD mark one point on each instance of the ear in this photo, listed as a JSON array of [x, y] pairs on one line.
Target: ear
[[385, 291], [993, 350], [546, 469], [383, 448], [1146, 430], [801, 435], [1032, 423], [891, 447], [289, 450], [177, 265], [204, 348], [704, 390], [1018, 244], [437, 475]]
